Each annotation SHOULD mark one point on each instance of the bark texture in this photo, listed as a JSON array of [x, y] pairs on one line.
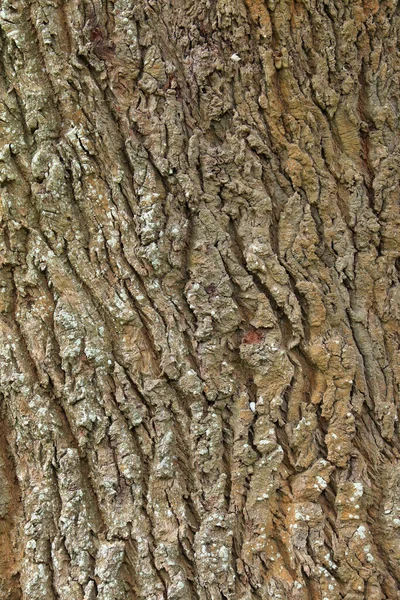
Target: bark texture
[[199, 296]]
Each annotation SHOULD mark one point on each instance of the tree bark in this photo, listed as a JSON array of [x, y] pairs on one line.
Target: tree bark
[[199, 299]]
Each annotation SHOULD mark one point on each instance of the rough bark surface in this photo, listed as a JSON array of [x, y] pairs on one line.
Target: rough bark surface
[[199, 299]]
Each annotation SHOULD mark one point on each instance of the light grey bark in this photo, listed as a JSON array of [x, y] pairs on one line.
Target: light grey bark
[[199, 299]]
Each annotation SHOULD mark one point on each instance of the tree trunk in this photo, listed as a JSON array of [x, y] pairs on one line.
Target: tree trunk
[[199, 300]]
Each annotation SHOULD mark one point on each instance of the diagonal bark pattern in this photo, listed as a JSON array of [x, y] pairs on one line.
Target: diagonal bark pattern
[[199, 299]]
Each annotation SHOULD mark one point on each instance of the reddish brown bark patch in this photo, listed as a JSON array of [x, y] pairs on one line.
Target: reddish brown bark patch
[[253, 336]]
